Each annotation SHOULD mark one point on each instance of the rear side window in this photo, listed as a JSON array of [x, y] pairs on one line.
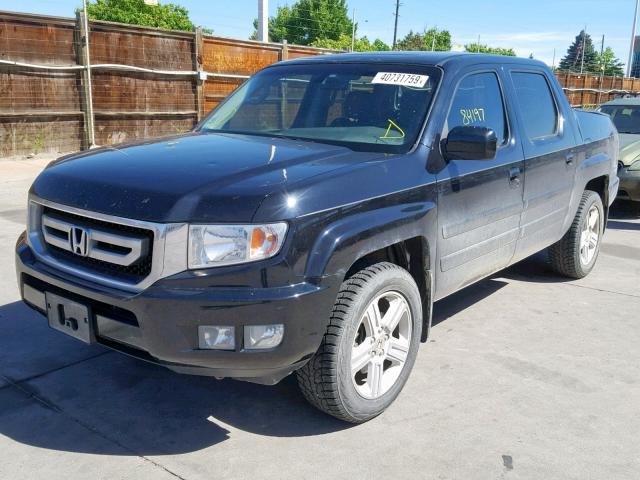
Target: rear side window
[[538, 108], [478, 102]]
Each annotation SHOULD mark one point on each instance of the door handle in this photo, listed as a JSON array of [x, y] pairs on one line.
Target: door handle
[[514, 176], [569, 158]]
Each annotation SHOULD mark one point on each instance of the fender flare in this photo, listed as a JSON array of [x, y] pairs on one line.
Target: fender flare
[[350, 238]]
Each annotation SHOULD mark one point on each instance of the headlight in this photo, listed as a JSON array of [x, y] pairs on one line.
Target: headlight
[[635, 166], [218, 245]]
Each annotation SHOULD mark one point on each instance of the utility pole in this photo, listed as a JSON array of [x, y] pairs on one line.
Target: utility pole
[[353, 30], [478, 45], [584, 42], [395, 28], [89, 116], [553, 65], [263, 20], [633, 40], [603, 68]]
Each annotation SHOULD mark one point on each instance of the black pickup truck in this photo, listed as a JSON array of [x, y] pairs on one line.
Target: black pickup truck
[[310, 222]]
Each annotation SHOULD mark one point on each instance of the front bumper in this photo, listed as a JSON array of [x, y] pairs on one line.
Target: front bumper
[[160, 324], [629, 184]]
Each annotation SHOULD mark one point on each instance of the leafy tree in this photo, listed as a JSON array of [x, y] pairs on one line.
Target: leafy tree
[[609, 63], [475, 48], [432, 39], [379, 45], [344, 43], [308, 21], [136, 12], [572, 61]]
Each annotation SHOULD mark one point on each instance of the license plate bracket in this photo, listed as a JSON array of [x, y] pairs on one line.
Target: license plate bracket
[[70, 317]]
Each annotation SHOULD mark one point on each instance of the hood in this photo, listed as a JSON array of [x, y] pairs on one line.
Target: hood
[[199, 177], [628, 138], [629, 148]]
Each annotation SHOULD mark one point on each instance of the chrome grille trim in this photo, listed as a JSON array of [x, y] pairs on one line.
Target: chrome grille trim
[[91, 243], [169, 246]]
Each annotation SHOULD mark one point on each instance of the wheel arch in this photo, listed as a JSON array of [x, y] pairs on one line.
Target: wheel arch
[[600, 185], [395, 234]]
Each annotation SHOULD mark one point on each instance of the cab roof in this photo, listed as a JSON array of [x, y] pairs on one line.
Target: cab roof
[[441, 59]]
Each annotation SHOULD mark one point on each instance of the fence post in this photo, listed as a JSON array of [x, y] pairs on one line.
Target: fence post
[[87, 97], [284, 50], [200, 78]]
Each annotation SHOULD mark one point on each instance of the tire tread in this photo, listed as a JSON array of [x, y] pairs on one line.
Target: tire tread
[[318, 378], [564, 254]]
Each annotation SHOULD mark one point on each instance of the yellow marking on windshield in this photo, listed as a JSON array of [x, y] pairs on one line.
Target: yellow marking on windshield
[[393, 124]]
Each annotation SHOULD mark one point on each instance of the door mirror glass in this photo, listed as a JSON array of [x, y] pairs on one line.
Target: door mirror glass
[[470, 143]]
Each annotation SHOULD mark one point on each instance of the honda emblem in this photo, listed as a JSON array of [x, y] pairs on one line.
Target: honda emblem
[[79, 240]]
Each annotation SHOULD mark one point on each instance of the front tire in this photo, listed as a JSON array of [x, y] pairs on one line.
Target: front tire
[[369, 347], [575, 255]]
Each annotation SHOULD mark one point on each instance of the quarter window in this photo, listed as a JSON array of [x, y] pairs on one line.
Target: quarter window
[[478, 102], [539, 112]]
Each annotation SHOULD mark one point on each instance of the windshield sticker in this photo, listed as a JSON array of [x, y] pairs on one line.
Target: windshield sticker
[[403, 79], [397, 133], [472, 115]]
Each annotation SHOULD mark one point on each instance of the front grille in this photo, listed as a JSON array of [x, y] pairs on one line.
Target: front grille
[[133, 272]]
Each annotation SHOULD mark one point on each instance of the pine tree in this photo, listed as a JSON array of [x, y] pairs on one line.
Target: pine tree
[[573, 59]]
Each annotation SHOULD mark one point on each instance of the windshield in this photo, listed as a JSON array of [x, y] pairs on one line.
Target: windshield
[[361, 106], [626, 118]]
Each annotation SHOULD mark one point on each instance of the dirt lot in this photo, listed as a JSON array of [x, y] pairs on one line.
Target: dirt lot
[[526, 375]]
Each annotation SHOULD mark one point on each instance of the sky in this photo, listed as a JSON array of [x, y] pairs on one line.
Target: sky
[[536, 27]]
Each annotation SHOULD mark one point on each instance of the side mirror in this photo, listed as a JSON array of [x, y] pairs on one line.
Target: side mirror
[[470, 143]]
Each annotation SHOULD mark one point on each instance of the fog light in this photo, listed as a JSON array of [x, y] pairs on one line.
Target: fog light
[[216, 337], [258, 337]]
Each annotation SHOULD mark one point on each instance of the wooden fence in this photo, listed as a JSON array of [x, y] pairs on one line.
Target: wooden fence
[[588, 91], [58, 94], [144, 82]]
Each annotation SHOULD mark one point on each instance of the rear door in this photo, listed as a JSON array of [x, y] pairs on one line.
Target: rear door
[[479, 201], [550, 158]]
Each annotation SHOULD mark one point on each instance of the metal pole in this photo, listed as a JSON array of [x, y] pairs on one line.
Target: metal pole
[[87, 58], [603, 68], [353, 30], [395, 28], [263, 20], [633, 40], [584, 43], [553, 65], [478, 45]]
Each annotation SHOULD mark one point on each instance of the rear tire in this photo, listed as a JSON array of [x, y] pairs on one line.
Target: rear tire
[[575, 255], [369, 347]]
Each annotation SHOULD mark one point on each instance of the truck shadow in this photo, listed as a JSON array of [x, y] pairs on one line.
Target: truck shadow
[[465, 298], [117, 405]]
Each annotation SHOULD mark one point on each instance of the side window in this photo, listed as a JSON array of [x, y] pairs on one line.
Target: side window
[[538, 108], [478, 102]]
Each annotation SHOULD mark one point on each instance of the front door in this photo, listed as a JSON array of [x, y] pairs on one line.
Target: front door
[[479, 201]]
